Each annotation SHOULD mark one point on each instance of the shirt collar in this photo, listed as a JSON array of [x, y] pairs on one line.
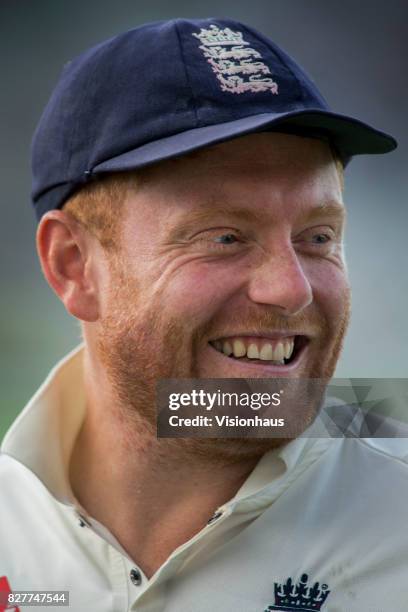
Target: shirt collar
[[43, 435]]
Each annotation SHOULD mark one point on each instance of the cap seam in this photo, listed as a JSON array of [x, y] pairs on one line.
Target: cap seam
[[42, 193], [301, 97], [188, 81]]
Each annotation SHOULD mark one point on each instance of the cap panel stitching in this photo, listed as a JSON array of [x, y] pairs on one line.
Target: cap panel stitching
[[193, 99]]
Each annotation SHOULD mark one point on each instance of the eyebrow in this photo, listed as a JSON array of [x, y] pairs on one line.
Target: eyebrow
[[332, 209]]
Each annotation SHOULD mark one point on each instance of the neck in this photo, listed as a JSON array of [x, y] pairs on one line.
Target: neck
[[163, 493]]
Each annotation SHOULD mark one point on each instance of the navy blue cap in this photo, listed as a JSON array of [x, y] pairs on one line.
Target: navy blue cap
[[165, 89]]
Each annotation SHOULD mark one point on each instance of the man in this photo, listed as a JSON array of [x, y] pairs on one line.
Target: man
[[188, 186]]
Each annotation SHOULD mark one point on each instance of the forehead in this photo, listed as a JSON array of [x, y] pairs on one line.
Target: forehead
[[259, 172]]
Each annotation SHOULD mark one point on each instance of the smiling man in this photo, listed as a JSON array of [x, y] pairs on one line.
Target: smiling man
[[188, 185]]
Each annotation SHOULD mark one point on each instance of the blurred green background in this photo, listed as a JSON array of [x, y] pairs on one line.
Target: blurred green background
[[357, 53]]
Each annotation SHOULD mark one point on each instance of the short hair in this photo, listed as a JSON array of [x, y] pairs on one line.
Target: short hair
[[98, 206]]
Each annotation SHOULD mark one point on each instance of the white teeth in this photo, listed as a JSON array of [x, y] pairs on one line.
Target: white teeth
[[266, 352], [239, 348], [227, 348], [278, 352], [252, 352], [275, 352], [288, 349]]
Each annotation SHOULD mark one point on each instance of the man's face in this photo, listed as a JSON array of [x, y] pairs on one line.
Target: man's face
[[230, 265]]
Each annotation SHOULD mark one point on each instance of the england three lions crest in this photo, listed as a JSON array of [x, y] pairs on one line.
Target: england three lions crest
[[236, 65]]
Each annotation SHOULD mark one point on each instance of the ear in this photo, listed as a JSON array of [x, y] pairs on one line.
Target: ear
[[65, 252]]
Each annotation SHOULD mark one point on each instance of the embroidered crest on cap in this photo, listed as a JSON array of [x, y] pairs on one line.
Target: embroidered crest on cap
[[230, 56]]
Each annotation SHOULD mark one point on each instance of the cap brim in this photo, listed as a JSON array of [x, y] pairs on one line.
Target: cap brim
[[350, 137]]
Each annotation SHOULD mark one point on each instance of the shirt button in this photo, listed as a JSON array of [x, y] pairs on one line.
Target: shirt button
[[136, 577], [83, 522], [214, 517]]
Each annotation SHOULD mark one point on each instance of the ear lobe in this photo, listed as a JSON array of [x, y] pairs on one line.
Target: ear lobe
[[64, 252]]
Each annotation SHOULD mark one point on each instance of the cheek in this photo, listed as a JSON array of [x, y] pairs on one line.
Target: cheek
[[199, 290], [331, 289]]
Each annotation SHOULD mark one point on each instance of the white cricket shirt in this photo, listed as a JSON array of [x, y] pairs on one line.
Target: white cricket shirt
[[335, 510]]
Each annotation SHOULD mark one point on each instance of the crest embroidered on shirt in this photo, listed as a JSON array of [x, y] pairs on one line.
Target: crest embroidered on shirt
[[235, 63], [290, 597]]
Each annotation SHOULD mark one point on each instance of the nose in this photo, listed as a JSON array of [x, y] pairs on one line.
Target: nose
[[280, 281]]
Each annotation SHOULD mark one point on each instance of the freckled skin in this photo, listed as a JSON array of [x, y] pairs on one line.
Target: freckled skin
[[178, 283]]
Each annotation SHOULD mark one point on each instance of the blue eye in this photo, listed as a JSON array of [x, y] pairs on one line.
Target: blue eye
[[321, 238], [226, 239]]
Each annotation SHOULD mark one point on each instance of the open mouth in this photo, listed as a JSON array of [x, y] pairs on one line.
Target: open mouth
[[274, 351]]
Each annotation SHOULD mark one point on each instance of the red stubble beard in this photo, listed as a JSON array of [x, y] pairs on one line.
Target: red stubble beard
[[139, 346]]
